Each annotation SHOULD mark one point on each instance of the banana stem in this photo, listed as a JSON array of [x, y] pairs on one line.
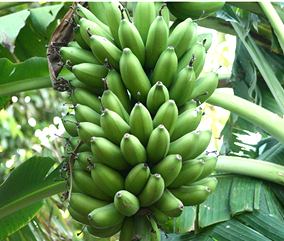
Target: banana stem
[[274, 20], [250, 167], [266, 120]]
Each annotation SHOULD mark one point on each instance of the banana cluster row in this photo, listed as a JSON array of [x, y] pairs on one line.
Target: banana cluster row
[[136, 101]]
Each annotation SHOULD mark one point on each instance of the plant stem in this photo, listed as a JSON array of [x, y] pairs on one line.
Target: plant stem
[[274, 20], [266, 120], [250, 167]]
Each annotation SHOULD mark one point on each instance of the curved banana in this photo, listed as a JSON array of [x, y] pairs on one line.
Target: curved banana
[[165, 13], [74, 142], [191, 104], [137, 178], [155, 233], [210, 182], [104, 232], [126, 203], [74, 44], [208, 37], [76, 189], [84, 113], [169, 168], [99, 10], [83, 157], [70, 124], [127, 229], [158, 144], [87, 130], [161, 217], [209, 166], [77, 216], [78, 84], [79, 39]]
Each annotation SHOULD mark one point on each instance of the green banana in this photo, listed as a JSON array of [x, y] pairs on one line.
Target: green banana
[[84, 97], [155, 233], [152, 191], [165, 13], [74, 44], [169, 204], [129, 37], [77, 216], [132, 150], [185, 145], [157, 40], [157, 95], [133, 75], [112, 102], [79, 39], [199, 52], [74, 142], [210, 182], [167, 115], [90, 74], [191, 104], [104, 50], [127, 229], [104, 232], [99, 10], [104, 217], [183, 85], [78, 84], [87, 130], [158, 144], [209, 166], [84, 113], [108, 153], [83, 157], [169, 168], [70, 126], [116, 85], [76, 189], [166, 67], [191, 195], [161, 217], [140, 122], [144, 16], [137, 178], [126, 203], [208, 37], [191, 170], [183, 36], [77, 56], [85, 182], [206, 84], [204, 140], [107, 179], [113, 126], [187, 122], [84, 204]]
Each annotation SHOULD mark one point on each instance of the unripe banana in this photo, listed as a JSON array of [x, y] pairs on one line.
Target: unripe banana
[[141, 123], [155, 233], [74, 142], [183, 85], [127, 229], [104, 232], [191, 104], [210, 182], [69, 123], [199, 53], [166, 67], [185, 145], [84, 97], [144, 16], [84, 204], [77, 56], [79, 39], [152, 191], [133, 75], [104, 50], [165, 12], [129, 37], [116, 85], [191, 195], [183, 36], [74, 44], [112, 102], [87, 130], [206, 84], [208, 37], [132, 150], [108, 153], [156, 41], [78, 217], [157, 96], [99, 10], [137, 178], [169, 204], [126, 203], [169, 168], [161, 217], [90, 74], [104, 217], [209, 166], [84, 113], [204, 140], [83, 157], [113, 126], [85, 182], [187, 122], [158, 144], [76, 189], [77, 84], [190, 171]]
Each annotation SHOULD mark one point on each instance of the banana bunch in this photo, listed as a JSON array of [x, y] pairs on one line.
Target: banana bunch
[[136, 100]]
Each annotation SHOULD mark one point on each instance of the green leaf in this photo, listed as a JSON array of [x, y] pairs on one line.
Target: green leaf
[[186, 220], [28, 184]]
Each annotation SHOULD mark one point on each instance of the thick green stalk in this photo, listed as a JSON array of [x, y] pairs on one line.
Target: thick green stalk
[[266, 120], [274, 20], [250, 167]]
